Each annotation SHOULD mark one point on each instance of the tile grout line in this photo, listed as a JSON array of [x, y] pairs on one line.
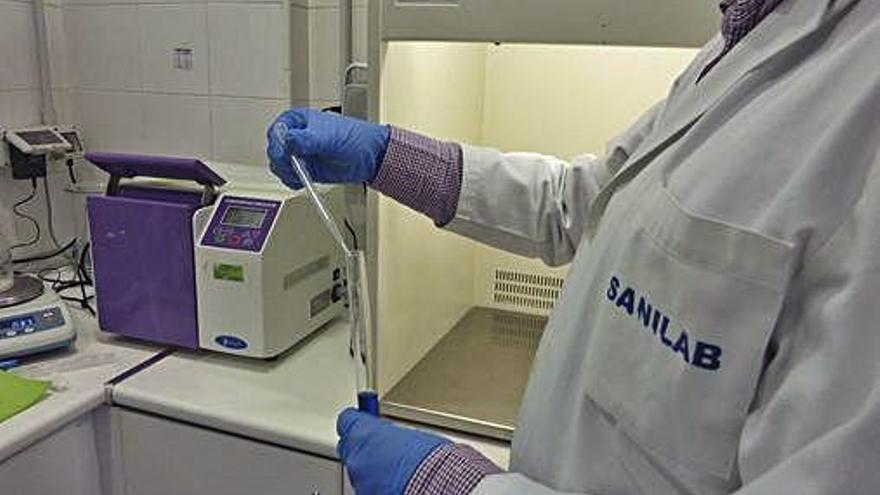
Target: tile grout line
[[172, 93], [114, 3], [210, 81]]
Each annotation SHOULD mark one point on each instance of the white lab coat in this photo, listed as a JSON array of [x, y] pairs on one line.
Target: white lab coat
[[719, 331]]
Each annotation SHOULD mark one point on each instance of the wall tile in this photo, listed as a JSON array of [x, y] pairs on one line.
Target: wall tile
[[324, 43], [165, 28], [63, 102], [18, 57], [359, 33], [58, 48], [169, 2], [177, 125], [248, 44], [320, 4], [104, 46], [239, 126], [300, 53], [110, 121], [70, 3], [19, 108]]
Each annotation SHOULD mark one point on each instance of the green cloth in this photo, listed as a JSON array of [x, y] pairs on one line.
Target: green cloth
[[18, 394]]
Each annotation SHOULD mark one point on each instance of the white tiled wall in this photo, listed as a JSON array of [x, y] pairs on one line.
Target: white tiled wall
[[324, 67], [181, 125], [323, 85], [249, 50], [168, 27], [128, 96], [17, 46], [112, 71], [230, 117], [103, 46], [20, 107], [19, 76]]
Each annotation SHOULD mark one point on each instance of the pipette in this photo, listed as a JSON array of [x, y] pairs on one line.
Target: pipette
[[357, 291]]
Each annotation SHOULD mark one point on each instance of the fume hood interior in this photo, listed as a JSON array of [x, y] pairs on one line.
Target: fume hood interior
[[457, 322]]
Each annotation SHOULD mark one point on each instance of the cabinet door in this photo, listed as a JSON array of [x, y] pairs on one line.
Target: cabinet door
[[164, 457], [64, 462], [630, 22]]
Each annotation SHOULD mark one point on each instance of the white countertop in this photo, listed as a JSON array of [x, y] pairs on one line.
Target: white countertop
[[79, 377], [291, 401]]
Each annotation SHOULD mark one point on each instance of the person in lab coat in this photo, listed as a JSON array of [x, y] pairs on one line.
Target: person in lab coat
[[719, 330]]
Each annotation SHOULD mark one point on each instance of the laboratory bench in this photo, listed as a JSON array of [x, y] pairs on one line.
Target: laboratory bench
[[136, 419], [52, 447]]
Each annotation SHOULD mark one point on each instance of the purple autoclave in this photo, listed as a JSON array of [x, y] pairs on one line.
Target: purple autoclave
[[142, 246]]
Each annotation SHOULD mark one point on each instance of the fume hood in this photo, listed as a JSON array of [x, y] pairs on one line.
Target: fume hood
[[457, 323]]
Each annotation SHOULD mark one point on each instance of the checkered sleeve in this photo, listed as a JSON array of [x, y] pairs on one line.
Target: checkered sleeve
[[421, 173], [452, 469]]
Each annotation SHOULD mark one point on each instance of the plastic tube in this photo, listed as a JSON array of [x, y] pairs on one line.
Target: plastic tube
[[321, 209], [361, 323], [357, 291]]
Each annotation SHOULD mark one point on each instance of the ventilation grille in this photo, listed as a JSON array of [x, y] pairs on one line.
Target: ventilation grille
[[518, 331], [295, 277], [526, 290]]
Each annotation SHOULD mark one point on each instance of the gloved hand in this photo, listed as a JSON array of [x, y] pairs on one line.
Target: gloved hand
[[381, 457], [334, 149]]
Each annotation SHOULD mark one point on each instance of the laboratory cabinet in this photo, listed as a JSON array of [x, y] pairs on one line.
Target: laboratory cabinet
[[158, 456], [66, 461]]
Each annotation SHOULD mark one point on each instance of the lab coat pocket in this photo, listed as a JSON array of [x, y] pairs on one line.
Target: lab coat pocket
[[681, 322]]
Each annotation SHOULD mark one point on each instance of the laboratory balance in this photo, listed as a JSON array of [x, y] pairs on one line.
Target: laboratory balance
[[32, 319]]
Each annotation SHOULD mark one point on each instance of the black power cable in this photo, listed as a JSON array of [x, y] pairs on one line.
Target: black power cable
[[59, 249], [80, 280], [351, 231], [49, 216], [70, 171], [15, 209], [63, 249]]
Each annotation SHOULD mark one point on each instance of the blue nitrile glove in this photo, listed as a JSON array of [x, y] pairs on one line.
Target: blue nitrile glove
[[334, 149], [380, 456]]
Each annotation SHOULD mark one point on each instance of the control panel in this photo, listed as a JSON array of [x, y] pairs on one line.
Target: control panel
[[241, 224], [31, 323]]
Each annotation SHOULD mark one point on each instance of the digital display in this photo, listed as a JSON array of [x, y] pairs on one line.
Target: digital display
[[243, 217], [18, 323], [37, 138], [231, 273]]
